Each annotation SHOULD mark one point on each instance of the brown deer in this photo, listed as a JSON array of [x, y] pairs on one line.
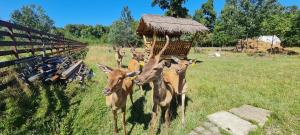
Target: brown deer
[[136, 63], [139, 56], [118, 87], [175, 78], [119, 55], [162, 93]]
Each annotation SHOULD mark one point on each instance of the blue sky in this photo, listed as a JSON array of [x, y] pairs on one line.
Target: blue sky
[[100, 11]]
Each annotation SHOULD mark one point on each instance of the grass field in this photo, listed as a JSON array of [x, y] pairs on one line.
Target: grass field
[[271, 82]]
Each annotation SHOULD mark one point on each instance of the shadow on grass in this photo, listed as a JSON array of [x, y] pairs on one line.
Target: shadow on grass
[[146, 87], [175, 103], [137, 114]]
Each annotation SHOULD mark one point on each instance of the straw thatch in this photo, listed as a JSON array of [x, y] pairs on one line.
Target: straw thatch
[[171, 26]]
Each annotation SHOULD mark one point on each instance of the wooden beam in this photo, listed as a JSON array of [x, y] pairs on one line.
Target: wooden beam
[[70, 70]]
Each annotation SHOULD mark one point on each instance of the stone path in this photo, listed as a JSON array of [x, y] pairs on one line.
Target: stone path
[[235, 122]]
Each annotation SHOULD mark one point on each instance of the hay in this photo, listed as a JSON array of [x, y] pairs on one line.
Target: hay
[[256, 46], [171, 26]]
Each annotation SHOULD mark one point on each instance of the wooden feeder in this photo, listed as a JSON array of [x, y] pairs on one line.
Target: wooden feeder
[[157, 30]]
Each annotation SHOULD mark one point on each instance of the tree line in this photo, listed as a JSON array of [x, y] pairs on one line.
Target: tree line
[[121, 32], [239, 19]]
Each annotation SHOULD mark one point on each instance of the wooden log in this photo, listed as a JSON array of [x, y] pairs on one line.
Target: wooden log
[[34, 77], [70, 70]]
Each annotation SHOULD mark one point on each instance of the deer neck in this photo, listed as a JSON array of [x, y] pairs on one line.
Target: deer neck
[[159, 86], [181, 81], [182, 76]]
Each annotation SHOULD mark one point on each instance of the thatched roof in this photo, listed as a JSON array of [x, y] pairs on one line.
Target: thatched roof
[[171, 26]]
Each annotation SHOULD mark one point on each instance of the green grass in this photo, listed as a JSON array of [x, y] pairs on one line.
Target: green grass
[[271, 82]]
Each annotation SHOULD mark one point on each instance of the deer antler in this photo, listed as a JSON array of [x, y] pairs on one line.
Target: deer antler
[[165, 47], [152, 46]]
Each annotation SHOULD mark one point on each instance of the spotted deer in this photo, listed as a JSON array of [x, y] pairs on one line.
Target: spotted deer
[[175, 78], [162, 93], [119, 86], [119, 54]]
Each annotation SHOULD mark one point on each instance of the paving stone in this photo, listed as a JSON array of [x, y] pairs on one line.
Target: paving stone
[[207, 124], [214, 130], [231, 123], [207, 132], [193, 133], [252, 113], [199, 129]]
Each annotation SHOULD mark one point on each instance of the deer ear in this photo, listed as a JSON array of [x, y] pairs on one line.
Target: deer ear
[[192, 61], [104, 68], [161, 65], [175, 59]]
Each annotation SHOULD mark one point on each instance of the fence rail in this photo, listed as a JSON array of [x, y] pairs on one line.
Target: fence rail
[[20, 40]]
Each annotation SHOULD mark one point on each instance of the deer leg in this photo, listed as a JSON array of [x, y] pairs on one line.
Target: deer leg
[[182, 109], [115, 122], [119, 63], [167, 116], [131, 99], [153, 120], [124, 119]]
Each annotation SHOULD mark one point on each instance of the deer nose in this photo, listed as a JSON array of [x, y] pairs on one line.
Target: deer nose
[[106, 91], [137, 81]]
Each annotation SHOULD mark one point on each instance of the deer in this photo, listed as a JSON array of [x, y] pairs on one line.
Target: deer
[[175, 78], [162, 93], [119, 54], [119, 86], [136, 63], [137, 60]]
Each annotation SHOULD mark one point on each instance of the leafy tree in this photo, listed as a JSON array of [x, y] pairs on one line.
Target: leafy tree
[[122, 32], [32, 16], [86, 31], [126, 17], [292, 37], [206, 15], [58, 31], [241, 19], [173, 7], [276, 25]]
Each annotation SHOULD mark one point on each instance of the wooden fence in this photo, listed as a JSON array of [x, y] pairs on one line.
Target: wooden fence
[[24, 43]]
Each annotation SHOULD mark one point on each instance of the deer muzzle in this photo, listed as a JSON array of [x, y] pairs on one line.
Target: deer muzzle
[[106, 91], [138, 81]]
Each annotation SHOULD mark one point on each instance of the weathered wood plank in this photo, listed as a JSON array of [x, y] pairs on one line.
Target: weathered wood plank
[[70, 70]]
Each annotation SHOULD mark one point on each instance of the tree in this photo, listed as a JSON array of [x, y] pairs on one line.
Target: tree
[[206, 15], [32, 16], [86, 31], [292, 37], [126, 17], [121, 32], [276, 25], [174, 7]]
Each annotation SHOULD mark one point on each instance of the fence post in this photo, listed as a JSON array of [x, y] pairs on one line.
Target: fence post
[[44, 50], [30, 40], [14, 48], [50, 43]]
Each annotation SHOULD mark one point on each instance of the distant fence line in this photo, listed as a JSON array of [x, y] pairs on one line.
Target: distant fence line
[[24, 40]]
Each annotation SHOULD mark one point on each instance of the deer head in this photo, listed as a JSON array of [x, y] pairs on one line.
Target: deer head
[[139, 56], [115, 78], [182, 65], [153, 69]]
